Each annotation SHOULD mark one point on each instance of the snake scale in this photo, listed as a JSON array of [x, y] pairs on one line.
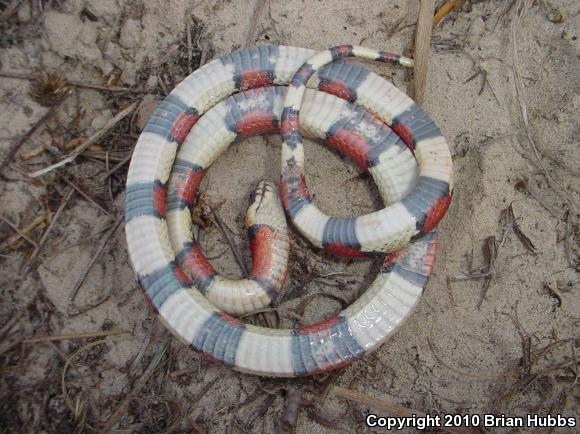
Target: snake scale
[[290, 91]]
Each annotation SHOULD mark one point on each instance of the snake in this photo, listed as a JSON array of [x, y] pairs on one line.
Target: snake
[[393, 125]]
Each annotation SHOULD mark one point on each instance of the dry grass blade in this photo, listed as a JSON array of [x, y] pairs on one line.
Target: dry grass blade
[[390, 408], [92, 139], [74, 336], [122, 408], [509, 219], [258, 8], [87, 197], [48, 115], [38, 220], [79, 415], [116, 167], [234, 249], [100, 249], [19, 232], [457, 371], [116, 89], [53, 221], [490, 250], [572, 261], [520, 9], [422, 44], [558, 300]]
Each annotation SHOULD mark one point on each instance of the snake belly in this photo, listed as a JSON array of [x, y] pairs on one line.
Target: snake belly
[[335, 342]]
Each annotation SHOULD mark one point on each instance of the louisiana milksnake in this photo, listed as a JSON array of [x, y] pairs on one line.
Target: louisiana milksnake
[[260, 91]]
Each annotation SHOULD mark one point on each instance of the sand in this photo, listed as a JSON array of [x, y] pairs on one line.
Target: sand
[[506, 344]]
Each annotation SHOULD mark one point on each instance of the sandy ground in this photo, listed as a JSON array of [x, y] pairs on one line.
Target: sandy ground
[[504, 342]]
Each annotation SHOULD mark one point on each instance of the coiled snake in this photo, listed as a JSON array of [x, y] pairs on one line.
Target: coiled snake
[[260, 91]]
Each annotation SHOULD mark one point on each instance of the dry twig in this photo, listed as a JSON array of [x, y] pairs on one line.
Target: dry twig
[[258, 8], [63, 204], [87, 197], [572, 261], [21, 76], [74, 336], [122, 408], [422, 44], [38, 220], [100, 249], [558, 300], [48, 115], [224, 230], [92, 139], [116, 167], [510, 223], [19, 232], [490, 250], [520, 9], [78, 409], [448, 7]]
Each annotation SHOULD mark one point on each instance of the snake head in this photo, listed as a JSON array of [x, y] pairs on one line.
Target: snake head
[[265, 207]]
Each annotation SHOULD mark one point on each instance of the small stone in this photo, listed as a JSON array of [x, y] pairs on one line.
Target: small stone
[[554, 16]]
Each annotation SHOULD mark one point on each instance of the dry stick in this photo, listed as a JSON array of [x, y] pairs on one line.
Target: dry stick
[[95, 304], [457, 371], [422, 44], [391, 407], [92, 139], [20, 76], [50, 226], [558, 189], [104, 242], [27, 229], [107, 168], [63, 377], [233, 247], [87, 197], [49, 114], [116, 167], [73, 336], [260, 6], [18, 231], [448, 7], [491, 253], [189, 46], [568, 242], [116, 416]]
